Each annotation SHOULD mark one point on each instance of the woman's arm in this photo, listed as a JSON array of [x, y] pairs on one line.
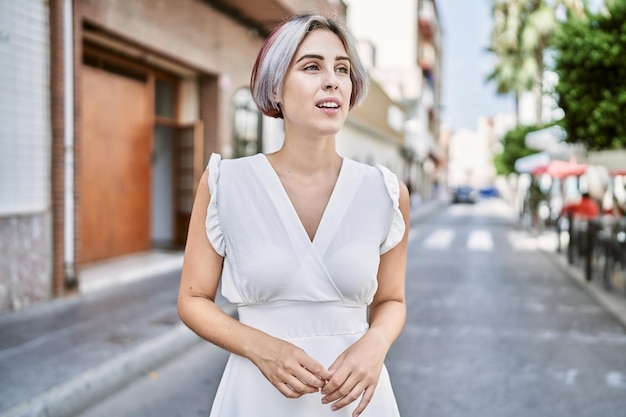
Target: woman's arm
[[286, 366], [357, 370]]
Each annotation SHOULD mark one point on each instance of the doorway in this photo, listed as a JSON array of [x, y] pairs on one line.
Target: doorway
[[162, 187], [114, 181], [139, 165]]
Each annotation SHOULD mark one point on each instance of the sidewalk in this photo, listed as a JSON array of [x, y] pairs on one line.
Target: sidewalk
[[546, 240], [62, 356], [614, 303]]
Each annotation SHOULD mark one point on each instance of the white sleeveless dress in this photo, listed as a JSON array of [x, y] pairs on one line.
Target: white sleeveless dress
[[313, 294]]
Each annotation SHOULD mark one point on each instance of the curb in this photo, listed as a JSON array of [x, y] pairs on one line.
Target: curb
[[79, 393], [129, 269], [96, 384]]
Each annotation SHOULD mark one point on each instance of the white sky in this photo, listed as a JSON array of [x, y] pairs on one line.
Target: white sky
[[390, 24], [466, 64]]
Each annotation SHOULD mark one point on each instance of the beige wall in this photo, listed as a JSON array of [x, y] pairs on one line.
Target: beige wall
[[374, 111], [186, 30], [368, 135]]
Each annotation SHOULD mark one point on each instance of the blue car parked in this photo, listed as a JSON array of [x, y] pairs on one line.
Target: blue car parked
[[464, 194], [489, 192]]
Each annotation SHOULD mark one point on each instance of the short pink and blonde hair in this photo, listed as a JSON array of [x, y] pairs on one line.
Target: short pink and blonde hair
[[276, 54]]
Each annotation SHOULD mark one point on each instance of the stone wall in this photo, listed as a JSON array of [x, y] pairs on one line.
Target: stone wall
[[25, 269]]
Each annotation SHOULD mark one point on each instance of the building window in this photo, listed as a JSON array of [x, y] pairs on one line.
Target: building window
[[165, 98], [248, 124]]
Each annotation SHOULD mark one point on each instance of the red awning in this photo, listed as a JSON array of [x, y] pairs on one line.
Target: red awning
[[561, 169]]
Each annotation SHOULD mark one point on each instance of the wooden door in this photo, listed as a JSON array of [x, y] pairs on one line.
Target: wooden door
[[115, 172]]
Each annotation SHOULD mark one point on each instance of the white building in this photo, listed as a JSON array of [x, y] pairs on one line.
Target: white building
[[471, 152], [404, 58]]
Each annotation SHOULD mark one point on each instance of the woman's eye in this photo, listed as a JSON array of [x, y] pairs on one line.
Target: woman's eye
[[311, 67], [343, 70]]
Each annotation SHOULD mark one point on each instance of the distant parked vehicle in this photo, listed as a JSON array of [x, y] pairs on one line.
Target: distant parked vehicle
[[489, 192], [464, 194]]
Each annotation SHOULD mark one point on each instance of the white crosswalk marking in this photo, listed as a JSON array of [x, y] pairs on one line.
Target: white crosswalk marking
[[439, 239], [480, 240], [522, 241]]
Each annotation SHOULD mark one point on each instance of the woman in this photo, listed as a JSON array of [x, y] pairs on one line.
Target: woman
[[303, 242]]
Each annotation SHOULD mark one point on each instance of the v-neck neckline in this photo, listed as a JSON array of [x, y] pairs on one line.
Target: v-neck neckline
[[288, 204]]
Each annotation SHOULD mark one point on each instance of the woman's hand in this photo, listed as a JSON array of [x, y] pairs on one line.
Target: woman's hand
[[355, 374], [290, 369]]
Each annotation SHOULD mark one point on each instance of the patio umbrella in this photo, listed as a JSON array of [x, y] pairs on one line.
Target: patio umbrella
[[561, 169], [531, 162]]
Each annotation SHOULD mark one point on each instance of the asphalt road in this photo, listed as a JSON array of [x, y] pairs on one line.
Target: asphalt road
[[495, 328]]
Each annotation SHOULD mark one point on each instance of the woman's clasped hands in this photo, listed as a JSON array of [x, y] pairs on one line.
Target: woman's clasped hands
[[353, 375], [290, 369]]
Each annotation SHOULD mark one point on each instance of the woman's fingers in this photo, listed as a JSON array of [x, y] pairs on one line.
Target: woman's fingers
[[287, 391], [365, 400], [297, 387], [345, 388], [339, 387], [290, 369], [311, 372], [320, 373], [297, 383], [310, 380], [356, 392]]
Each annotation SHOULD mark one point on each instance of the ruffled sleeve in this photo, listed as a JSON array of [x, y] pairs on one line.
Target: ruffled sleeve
[[397, 227], [212, 223]]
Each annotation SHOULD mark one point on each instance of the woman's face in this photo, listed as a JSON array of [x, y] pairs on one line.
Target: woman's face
[[316, 92]]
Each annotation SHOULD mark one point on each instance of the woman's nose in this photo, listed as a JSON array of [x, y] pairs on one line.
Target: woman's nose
[[330, 82]]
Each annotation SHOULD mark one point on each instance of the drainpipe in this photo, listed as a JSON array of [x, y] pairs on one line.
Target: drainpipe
[[68, 121]]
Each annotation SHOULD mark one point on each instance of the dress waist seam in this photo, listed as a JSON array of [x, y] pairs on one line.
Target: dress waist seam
[[316, 336]]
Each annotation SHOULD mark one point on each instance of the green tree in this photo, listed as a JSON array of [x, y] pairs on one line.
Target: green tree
[[513, 148], [514, 71], [521, 34], [591, 64]]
